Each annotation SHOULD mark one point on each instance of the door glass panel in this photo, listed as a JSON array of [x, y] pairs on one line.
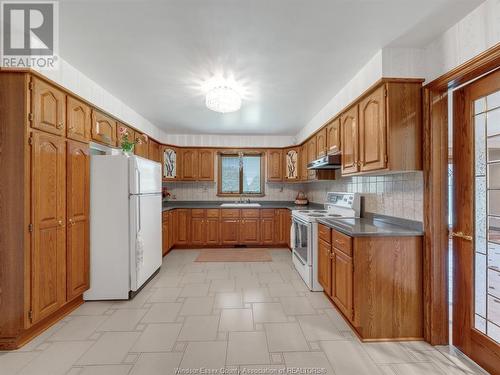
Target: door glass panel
[[487, 215]]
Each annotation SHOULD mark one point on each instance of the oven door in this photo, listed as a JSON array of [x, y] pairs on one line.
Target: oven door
[[301, 233]]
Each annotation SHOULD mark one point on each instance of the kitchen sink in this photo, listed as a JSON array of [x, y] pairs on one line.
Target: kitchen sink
[[240, 205]]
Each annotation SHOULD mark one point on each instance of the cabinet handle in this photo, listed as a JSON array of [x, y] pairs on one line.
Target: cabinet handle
[[60, 223], [71, 222], [59, 125]]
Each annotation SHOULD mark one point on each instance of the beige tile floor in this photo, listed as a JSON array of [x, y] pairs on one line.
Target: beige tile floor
[[254, 317]]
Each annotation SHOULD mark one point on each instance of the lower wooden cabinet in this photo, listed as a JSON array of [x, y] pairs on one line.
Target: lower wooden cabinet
[[182, 232], [375, 282], [229, 231], [212, 229], [249, 231]]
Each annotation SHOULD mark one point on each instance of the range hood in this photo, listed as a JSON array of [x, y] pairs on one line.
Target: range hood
[[326, 162]]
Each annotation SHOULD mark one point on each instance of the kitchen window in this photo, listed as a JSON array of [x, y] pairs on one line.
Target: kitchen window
[[240, 174]]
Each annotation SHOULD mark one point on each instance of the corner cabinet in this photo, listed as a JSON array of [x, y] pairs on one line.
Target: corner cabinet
[[291, 170], [383, 130], [169, 163]]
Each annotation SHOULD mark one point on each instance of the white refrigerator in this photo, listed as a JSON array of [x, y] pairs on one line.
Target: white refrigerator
[[125, 225]]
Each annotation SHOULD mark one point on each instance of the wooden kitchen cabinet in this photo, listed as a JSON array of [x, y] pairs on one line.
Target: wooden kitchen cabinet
[[205, 165], [183, 225], [287, 228], [154, 151], [372, 131], [198, 231], [189, 164], [249, 231], [49, 224], [165, 236], [275, 165], [321, 143], [213, 227], [311, 156], [229, 230], [78, 116], [280, 223], [325, 260], [267, 231], [78, 205], [342, 283], [142, 146], [350, 144], [170, 164], [303, 157], [48, 107], [375, 282], [291, 164], [333, 136], [103, 128]]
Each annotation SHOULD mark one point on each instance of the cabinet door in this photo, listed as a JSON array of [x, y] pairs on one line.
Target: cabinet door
[[372, 131], [229, 230], [274, 165], [189, 164], [48, 272], [267, 231], [78, 118], [154, 150], [182, 219], [342, 285], [169, 163], [78, 204], [121, 131], [198, 231], [303, 155], [311, 155], [321, 143], [142, 146], [103, 128], [325, 267], [333, 136], [350, 141], [279, 225], [212, 228], [165, 237], [291, 164], [49, 107], [249, 231], [287, 227], [172, 228], [206, 168]]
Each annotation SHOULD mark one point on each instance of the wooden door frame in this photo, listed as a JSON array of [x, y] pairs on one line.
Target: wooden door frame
[[435, 145]]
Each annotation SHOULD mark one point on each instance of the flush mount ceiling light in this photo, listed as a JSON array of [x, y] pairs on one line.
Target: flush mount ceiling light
[[223, 97]]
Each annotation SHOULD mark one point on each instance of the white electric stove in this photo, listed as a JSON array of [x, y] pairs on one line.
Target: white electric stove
[[305, 233]]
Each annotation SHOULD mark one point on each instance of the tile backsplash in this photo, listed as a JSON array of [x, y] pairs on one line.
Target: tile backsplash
[[399, 195]]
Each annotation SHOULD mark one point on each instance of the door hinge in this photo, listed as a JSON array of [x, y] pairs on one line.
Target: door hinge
[[385, 92], [30, 141], [30, 228], [30, 116], [30, 315], [386, 159], [31, 85]]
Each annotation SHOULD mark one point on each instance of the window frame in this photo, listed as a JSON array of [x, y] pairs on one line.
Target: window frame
[[237, 153]]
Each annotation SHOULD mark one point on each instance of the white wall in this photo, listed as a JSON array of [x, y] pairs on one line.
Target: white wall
[[474, 34], [217, 140]]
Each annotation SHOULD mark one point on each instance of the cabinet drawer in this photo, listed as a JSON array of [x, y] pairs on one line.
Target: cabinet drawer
[[213, 212], [342, 242], [267, 212], [197, 212], [251, 212], [325, 233], [230, 212]]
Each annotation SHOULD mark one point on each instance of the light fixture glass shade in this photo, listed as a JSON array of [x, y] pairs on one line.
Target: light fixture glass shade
[[223, 99]]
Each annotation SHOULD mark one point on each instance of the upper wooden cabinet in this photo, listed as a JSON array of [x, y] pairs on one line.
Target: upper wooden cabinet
[[372, 131], [121, 130], [321, 143], [275, 165], [383, 131], [291, 167], [154, 151], [196, 164], [349, 122], [189, 164], [303, 156], [103, 128], [78, 117], [311, 156], [206, 165], [333, 136], [141, 147], [169, 166], [48, 107]]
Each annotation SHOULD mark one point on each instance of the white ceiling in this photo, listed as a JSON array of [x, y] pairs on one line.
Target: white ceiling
[[291, 56]]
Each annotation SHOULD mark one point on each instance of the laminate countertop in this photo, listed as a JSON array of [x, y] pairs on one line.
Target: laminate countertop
[[171, 205], [375, 226]]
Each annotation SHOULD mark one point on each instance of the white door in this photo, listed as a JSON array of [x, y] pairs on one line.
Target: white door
[[145, 238], [145, 176]]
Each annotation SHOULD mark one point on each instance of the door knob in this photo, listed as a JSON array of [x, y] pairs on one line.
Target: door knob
[[60, 223], [461, 235]]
